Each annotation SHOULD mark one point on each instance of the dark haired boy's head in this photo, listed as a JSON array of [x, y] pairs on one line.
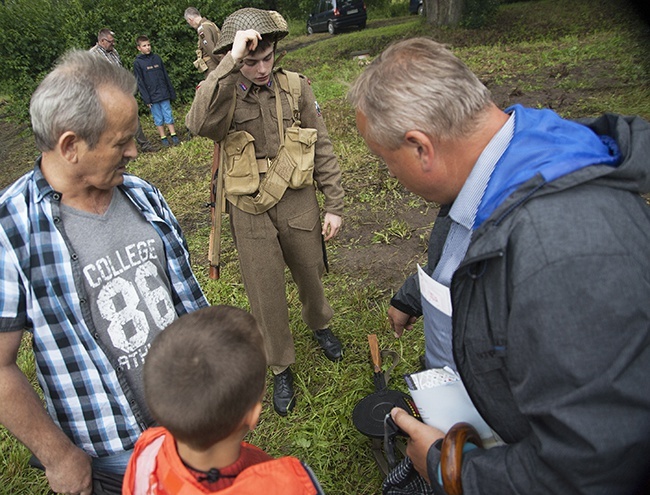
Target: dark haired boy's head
[[203, 374], [141, 39], [263, 44]]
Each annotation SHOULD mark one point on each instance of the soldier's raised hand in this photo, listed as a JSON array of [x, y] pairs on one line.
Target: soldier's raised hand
[[244, 43]]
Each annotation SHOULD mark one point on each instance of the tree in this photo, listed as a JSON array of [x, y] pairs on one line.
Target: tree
[[444, 12], [468, 13]]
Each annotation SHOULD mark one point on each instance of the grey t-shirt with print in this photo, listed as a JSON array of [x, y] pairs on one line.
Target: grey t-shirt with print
[[123, 269]]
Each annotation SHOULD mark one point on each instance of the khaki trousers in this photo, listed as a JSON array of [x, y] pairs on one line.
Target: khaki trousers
[[287, 234]]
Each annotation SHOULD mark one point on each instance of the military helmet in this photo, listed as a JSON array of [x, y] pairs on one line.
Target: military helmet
[[265, 22]]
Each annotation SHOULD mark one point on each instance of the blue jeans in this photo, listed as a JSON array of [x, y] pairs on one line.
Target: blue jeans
[[115, 463]]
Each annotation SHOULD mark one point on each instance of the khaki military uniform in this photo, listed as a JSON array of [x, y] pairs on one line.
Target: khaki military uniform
[[208, 38], [289, 232]]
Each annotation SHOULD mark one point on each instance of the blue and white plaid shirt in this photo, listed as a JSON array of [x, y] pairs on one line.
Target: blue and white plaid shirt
[[41, 291]]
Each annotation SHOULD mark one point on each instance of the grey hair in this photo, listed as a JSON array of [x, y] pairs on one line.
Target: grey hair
[[103, 33], [191, 12], [418, 84], [68, 100]]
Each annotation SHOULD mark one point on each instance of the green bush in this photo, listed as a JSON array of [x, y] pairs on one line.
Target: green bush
[[34, 33]]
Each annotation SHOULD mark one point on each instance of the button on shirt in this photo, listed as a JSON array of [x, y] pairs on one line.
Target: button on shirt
[[40, 290], [437, 325]]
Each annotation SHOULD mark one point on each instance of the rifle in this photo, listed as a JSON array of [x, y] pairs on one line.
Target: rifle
[[216, 204]]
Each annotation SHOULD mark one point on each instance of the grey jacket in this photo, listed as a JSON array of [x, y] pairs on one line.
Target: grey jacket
[[551, 329]]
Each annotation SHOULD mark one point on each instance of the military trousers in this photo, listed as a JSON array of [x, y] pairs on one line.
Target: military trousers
[[289, 234]]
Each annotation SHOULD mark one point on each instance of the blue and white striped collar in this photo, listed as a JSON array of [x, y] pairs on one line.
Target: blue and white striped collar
[[465, 207]]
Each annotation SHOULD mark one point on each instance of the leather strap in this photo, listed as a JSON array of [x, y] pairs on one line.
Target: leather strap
[[263, 165]]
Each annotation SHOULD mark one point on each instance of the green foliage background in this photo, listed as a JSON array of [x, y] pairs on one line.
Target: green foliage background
[[34, 33]]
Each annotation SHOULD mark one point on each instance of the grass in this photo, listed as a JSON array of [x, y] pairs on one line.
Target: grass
[[581, 58]]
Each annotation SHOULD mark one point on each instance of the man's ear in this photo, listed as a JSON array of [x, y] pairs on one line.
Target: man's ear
[[69, 145], [422, 146]]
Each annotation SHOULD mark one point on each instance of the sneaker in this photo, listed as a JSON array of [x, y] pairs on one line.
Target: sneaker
[[329, 343], [175, 140], [284, 398], [165, 142]]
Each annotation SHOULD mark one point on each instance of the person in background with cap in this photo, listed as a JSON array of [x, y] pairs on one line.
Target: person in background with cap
[[269, 183]]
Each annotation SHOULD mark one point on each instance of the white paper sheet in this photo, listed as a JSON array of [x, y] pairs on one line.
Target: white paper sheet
[[437, 294], [442, 401]]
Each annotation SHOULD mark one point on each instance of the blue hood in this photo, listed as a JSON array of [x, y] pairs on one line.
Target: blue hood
[[543, 143]]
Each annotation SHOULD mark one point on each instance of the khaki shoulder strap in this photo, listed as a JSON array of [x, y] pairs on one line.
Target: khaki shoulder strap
[[290, 84]]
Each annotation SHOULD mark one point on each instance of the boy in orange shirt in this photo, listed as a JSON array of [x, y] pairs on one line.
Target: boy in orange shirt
[[204, 380]]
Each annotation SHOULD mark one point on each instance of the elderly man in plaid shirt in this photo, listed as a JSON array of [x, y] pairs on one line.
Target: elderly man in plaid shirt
[[94, 265]]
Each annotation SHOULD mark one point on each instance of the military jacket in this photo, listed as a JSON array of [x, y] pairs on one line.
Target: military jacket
[[255, 112], [208, 38]]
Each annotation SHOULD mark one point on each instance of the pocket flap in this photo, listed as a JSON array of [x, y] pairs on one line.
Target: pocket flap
[[306, 136], [236, 141], [246, 114], [305, 221]]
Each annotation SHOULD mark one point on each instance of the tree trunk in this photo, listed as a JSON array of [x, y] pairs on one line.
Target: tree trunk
[[444, 12]]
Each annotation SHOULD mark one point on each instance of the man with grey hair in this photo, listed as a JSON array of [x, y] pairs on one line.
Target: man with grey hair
[[94, 266], [541, 274], [105, 47], [208, 32]]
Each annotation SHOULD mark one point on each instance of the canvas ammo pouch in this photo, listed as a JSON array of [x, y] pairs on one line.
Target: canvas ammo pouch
[[293, 167], [199, 63], [300, 146], [241, 172], [300, 142]]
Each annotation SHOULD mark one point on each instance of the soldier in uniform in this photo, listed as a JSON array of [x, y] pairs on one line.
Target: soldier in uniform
[[275, 147], [206, 61]]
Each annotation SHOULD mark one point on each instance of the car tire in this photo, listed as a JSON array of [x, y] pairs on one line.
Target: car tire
[[330, 28], [362, 25], [310, 30], [421, 10]]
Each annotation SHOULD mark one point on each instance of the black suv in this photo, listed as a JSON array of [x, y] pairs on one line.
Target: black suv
[[416, 7], [334, 15]]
